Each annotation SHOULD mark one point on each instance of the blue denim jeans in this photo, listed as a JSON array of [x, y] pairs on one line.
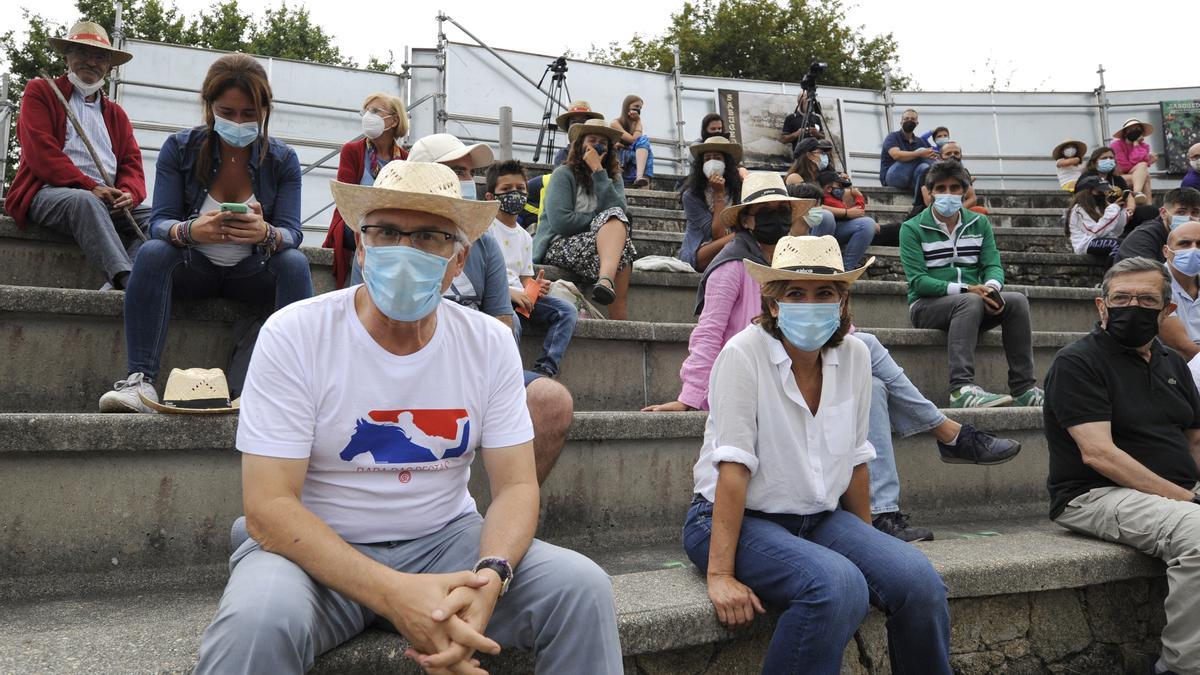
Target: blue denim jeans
[[163, 272], [629, 159], [896, 404], [559, 317], [854, 236], [908, 176], [822, 570]]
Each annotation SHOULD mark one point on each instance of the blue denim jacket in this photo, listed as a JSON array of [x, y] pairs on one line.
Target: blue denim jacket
[[178, 195]]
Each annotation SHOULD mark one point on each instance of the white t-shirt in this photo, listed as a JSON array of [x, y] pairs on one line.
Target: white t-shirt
[[1067, 175], [389, 438], [517, 247], [224, 255]]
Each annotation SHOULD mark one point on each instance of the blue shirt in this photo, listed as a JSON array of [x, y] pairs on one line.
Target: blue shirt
[[896, 139], [483, 284]]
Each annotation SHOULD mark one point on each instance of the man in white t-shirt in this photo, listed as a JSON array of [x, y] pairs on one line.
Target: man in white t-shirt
[[362, 412]]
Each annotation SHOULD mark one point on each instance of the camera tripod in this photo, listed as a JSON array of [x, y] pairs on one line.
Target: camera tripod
[[558, 86]]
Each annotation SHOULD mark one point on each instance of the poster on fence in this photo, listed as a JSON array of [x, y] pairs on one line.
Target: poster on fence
[[1181, 130], [755, 120]]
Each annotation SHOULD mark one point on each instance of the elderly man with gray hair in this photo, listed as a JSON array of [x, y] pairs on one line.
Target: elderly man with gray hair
[[1122, 419]]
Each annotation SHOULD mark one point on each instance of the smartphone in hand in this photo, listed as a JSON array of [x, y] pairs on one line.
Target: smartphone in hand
[[996, 299], [235, 207]]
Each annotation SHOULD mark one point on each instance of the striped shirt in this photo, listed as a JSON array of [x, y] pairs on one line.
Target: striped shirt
[[91, 118]]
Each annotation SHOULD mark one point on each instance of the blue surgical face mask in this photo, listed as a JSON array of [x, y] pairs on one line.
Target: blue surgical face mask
[[405, 283], [1176, 221], [468, 189], [838, 193], [823, 162], [947, 205], [814, 216], [237, 135], [809, 325], [1106, 165], [1187, 261], [941, 141]]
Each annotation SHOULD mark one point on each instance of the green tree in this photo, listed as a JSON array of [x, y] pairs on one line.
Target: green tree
[[222, 26], [289, 33], [752, 39]]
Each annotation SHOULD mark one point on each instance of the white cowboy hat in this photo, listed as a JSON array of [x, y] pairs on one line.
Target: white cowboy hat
[[764, 186], [415, 186], [195, 391], [717, 144], [90, 34], [443, 148], [576, 109], [806, 258], [593, 126], [1147, 128], [1080, 148]]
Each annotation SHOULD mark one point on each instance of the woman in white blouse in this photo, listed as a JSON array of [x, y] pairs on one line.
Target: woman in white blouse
[[782, 512]]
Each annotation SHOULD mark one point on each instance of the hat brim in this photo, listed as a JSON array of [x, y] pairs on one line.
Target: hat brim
[[764, 274], [734, 150], [355, 201], [1080, 147], [599, 130], [799, 208], [1147, 128], [480, 154], [562, 119], [234, 406], [119, 57]]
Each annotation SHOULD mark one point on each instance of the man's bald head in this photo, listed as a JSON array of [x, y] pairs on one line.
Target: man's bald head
[[1193, 152], [1186, 235]]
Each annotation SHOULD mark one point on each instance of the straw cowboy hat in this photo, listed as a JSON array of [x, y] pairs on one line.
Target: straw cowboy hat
[[90, 34], [576, 109], [806, 259], [195, 391], [1080, 148], [443, 148], [593, 126], [717, 144], [760, 187], [1147, 128], [415, 186]]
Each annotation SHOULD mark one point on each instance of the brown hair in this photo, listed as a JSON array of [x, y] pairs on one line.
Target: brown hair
[[583, 174], [804, 167], [772, 290], [626, 123], [247, 75]]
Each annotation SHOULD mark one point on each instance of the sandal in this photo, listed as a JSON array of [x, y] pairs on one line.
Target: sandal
[[642, 182], [604, 295]]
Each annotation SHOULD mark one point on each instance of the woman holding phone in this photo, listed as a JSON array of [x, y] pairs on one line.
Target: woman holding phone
[[226, 222]]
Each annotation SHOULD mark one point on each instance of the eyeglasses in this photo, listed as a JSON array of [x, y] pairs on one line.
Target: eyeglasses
[[378, 111], [88, 54], [429, 241], [1126, 299]]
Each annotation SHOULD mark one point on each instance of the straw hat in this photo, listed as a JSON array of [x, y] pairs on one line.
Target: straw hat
[[416, 186], [717, 144], [593, 126], [195, 391], [442, 148], [1080, 148], [93, 35], [576, 109], [764, 186], [806, 258], [1147, 128]]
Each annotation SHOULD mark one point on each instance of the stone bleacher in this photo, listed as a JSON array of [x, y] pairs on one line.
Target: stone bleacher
[[114, 528]]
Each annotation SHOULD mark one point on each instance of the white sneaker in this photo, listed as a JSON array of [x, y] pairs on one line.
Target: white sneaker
[[124, 398]]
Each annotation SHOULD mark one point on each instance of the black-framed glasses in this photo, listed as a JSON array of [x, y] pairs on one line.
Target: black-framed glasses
[[430, 241], [1149, 301]]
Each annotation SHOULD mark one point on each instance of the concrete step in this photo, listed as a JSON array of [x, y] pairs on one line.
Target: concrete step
[[672, 219], [1024, 595], [1036, 269], [138, 491]]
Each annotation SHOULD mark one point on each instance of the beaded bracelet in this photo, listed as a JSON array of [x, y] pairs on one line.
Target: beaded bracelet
[[187, 233]]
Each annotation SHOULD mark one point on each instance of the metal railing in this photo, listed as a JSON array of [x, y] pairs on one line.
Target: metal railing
[[6, 111]]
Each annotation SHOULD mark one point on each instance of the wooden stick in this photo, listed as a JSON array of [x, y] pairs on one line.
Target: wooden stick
[[87, 142]]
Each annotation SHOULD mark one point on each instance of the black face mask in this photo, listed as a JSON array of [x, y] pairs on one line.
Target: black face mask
[[600, 148], [1133, 134], [771, 226], [908, 126], [1132, 326]]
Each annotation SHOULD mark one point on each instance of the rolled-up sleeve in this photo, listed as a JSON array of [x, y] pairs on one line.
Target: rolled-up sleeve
[[862, 383], [733, 396]]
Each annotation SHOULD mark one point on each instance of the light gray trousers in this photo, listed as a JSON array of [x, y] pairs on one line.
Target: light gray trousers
[[108, 241], [274, 618], [1164, 528]]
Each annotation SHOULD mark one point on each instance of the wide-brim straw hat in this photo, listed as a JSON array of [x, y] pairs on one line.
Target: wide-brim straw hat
[[593, 126], [195, 391], [1147, 128], [415, 186], [576, 109], [760, 187], [717, 144], [90, 34], [1080, 148], [806, 259], [442, 148]]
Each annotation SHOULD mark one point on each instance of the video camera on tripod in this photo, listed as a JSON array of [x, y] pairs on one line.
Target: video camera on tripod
[[809, 82], [558, 85]]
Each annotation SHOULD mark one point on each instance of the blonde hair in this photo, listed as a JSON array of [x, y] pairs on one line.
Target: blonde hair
[[394, 104]]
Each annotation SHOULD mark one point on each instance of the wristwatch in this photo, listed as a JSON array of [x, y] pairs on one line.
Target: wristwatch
[[1196, 499], [501, 567]]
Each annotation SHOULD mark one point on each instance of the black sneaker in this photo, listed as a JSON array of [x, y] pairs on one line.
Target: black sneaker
[[896, 524], [978, 447]]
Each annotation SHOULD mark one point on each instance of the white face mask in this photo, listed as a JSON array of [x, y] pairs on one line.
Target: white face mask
[[84, 88], [1069, 152], [372, 125], [1195, 163], [714, 168]]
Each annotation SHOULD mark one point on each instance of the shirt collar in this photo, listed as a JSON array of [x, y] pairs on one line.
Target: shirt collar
[[779, 356]]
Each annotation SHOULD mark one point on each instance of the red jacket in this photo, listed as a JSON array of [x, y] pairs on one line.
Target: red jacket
[[830, 200], [350, 170], [42, 132]]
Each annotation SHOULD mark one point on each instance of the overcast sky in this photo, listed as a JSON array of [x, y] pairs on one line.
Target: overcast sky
[[1042, 45]]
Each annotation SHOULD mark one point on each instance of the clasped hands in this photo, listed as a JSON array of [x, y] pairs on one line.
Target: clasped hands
[[444, 616]]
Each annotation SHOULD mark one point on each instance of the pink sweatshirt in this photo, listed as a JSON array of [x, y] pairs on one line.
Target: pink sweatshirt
[[1129, 154], [731, 301]]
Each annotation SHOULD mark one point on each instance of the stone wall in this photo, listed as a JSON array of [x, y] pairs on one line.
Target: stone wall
[[1073, 274], [1111, 628]]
